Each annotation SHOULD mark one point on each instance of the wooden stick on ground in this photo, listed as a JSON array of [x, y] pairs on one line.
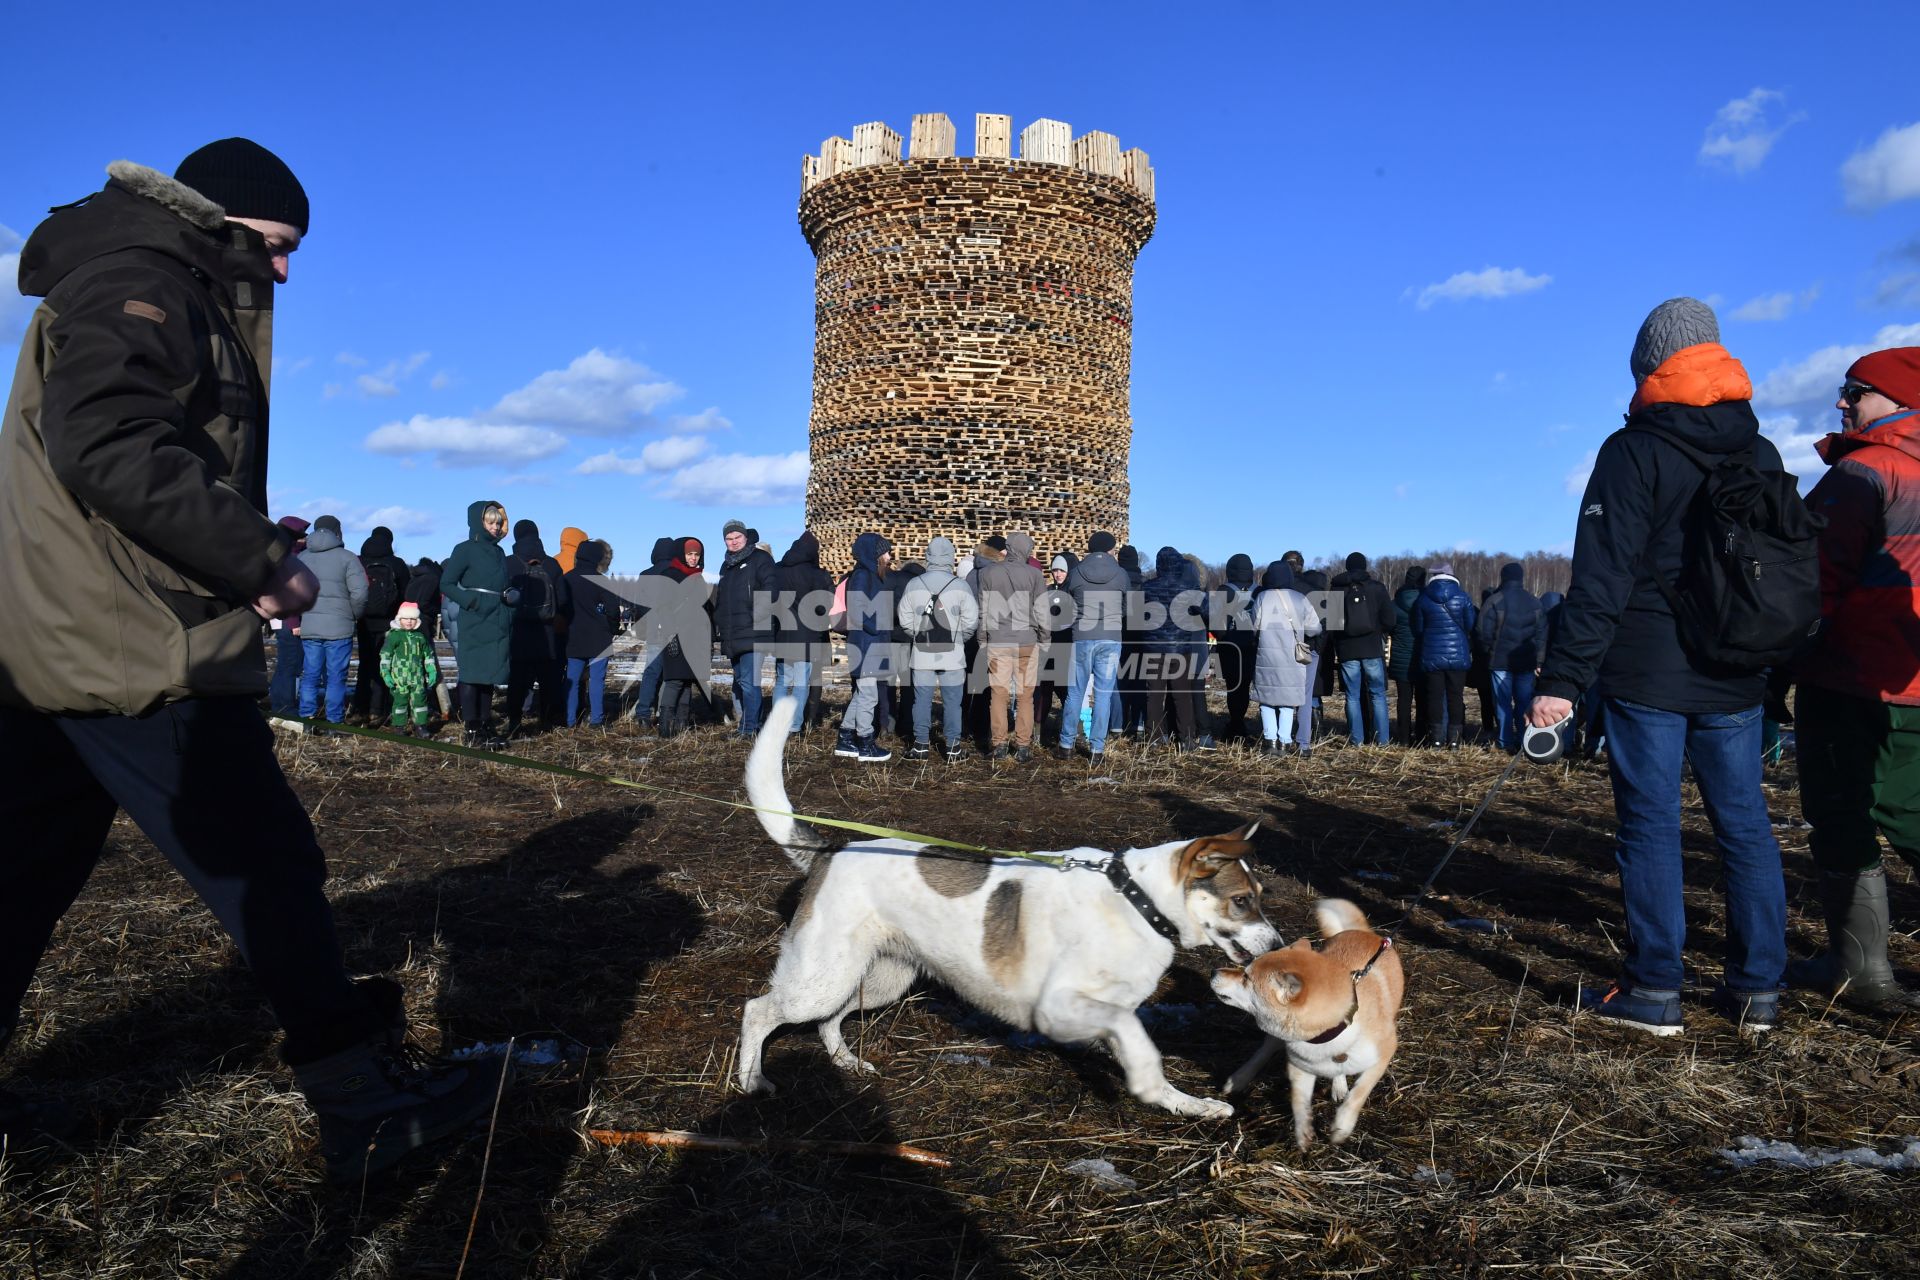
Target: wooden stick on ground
[[708, 1142]]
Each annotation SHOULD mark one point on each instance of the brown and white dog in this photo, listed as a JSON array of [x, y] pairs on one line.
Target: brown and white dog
[[1332, 1009], [1058, 951]]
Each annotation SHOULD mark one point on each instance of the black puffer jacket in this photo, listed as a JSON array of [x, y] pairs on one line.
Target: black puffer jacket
[[534, 637], [799, 577], [1511, 628], [594, 611], [743, 573], [1174, 592]]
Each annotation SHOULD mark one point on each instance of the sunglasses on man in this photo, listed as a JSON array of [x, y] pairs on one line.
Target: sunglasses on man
[[1852, 391]]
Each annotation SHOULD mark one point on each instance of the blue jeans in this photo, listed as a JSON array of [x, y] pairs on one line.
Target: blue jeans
[[596, 669], [791, 679], [1512, 697], [1645, 748], [953, 687], [283, 694], [746, 689], [1374, 671], [1097, 661], [649, 684], [324, 660]]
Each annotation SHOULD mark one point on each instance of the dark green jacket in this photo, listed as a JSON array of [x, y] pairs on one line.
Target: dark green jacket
[[133, 456], [473, 578]]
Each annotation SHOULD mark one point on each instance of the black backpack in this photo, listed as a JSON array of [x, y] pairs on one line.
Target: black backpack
[[536, 592], [1359, 618], [383, 589], [1748, 594], [938, 637]]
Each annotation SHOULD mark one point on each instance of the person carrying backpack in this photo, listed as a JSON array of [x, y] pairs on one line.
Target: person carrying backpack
[[1513, 632], [939, 614], [1648, 550], [538, 646], [1367, 617], [387, 582]]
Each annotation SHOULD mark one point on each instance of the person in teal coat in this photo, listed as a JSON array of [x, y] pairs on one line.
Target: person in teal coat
[[475, 578]]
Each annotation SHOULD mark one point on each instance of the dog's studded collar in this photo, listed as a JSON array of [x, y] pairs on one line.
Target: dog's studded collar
[[1333, 1032], [1129, 888]]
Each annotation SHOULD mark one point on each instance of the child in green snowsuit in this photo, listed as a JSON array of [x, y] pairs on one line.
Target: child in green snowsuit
[[410, 670]]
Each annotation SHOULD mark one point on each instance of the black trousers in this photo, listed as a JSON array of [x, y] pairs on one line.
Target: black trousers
[[199, 778], [551, 675], [476, 703], [1446, 704], [1236, 673], [371, 697], [1411, 701]]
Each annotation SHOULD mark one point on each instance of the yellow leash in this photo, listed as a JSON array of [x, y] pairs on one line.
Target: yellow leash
[[583, 775]]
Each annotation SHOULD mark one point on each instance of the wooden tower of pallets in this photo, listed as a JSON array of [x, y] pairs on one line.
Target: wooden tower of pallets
[[973, 334]]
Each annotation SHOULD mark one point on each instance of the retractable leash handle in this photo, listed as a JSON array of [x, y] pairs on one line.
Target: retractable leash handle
[[1544, 746]]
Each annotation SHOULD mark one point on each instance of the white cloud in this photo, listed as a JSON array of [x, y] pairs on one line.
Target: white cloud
[[462, 442], [441, 381], [14, 309], [1577, 478], [351, 360], [1743, 132], [708, 419], [1493, 282], [284, 367], [657, 457], [1795, 444], [742, 480], [597, 394], [1775, 306], [1817, 377], [373, 385], [1887, 171], [358, 520]]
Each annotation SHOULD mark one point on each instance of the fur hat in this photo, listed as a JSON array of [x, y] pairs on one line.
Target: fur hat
[[1894, 373], [1674, 325], [407, 612], [246, 180], [1444, 567]]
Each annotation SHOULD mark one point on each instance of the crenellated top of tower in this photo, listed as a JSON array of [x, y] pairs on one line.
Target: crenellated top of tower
[[1042, 142]]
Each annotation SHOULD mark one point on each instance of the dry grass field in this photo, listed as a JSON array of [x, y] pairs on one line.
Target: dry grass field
[[1512, 1137]]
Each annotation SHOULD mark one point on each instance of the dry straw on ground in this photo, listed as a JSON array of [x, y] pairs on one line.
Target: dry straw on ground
[[1512, 1137]]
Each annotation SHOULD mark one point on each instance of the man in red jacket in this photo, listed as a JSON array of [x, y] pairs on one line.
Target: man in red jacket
[[1858, 711]]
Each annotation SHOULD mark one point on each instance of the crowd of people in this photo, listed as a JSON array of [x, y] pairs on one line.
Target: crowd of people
[[133, 462]]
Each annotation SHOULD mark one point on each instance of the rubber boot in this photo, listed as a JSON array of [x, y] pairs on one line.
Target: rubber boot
[[1854, 966], [375, 1104]]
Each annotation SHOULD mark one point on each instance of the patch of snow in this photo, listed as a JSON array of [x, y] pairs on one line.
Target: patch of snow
[[1749, 1151], [963, 1059], [1102, 1173], [1426, 1173]]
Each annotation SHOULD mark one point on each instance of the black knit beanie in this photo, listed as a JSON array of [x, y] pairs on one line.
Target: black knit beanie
[[1100, 541], [246, 180]]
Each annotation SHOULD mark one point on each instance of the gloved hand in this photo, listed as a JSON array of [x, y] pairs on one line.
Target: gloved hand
[[511, 597]]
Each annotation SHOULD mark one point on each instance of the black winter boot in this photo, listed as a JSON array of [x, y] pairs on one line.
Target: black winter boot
[[1854, 966], [375, 1103]]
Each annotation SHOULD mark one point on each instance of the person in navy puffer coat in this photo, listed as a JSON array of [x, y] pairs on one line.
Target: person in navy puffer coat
[[1442, 630], [1513, 634]]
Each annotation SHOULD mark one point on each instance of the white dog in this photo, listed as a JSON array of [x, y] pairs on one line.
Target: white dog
[[1070, 953]]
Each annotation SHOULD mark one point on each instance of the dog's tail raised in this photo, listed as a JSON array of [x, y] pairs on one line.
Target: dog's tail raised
[[1337, 915], [767, 789]]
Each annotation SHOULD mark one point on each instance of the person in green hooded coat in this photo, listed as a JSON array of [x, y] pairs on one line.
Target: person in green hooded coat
[[475, 578]]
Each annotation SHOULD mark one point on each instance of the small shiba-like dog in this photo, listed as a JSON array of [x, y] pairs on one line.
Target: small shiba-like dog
[[1332, 1008], [1066, 952]]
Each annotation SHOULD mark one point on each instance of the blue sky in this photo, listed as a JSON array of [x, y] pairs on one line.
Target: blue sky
[[1399, 264]]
